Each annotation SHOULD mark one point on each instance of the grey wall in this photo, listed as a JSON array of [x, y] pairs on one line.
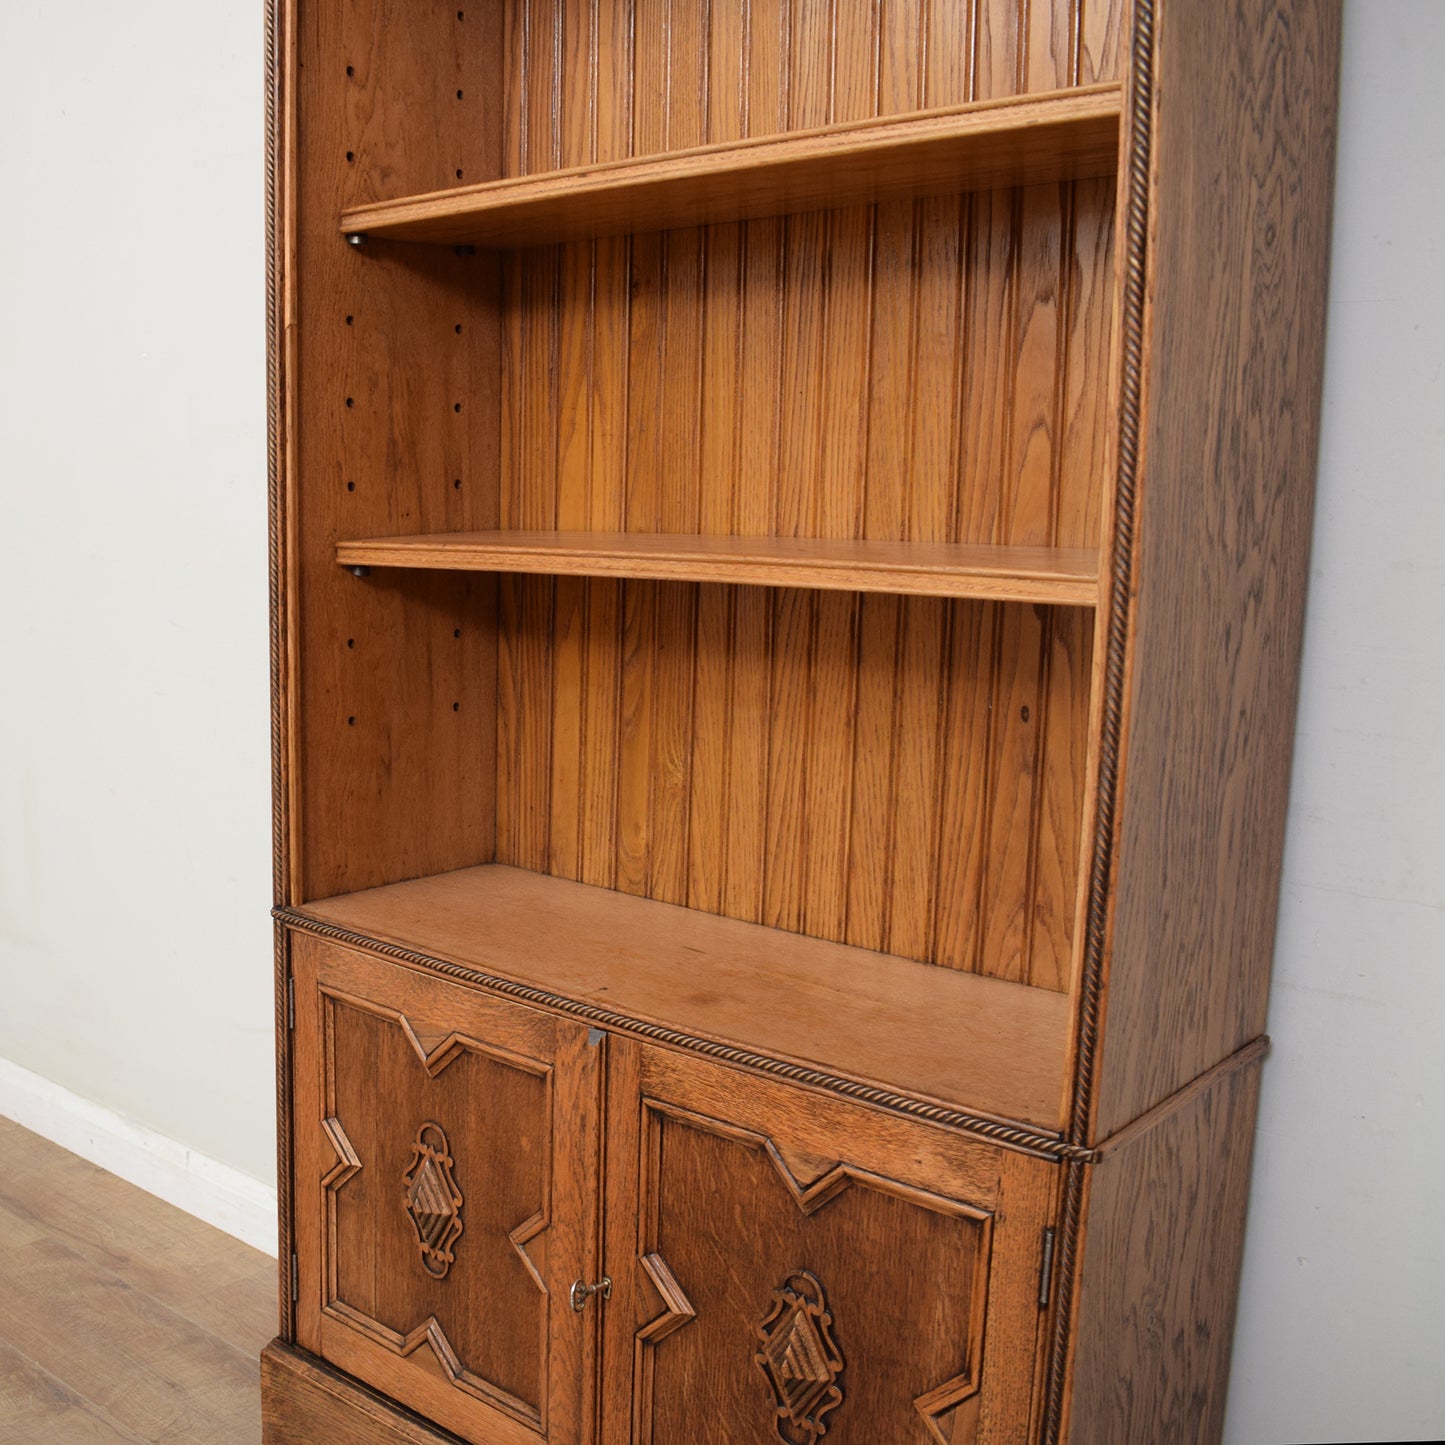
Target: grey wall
[[134, 833]]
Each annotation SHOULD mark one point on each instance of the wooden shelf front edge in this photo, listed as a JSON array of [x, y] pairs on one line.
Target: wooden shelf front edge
[[1059, 575], [992, 1047], [1027, 140]]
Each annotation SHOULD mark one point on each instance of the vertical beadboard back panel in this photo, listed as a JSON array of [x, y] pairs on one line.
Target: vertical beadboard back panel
[[903, 775], [638, 77], [842, 784]]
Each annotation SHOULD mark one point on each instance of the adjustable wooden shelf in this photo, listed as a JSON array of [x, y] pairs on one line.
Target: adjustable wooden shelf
[[789, 529], [1024, 140], [920, 569]]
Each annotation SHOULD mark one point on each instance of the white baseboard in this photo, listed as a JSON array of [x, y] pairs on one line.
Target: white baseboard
[[212, 1191]]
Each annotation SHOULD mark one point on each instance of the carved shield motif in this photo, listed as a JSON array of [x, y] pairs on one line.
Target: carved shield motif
[[800, 1358], [433, 1201]]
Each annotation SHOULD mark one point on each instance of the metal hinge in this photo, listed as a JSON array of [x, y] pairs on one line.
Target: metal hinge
[[295, 1279], [1046, 1270], [291, 1001]]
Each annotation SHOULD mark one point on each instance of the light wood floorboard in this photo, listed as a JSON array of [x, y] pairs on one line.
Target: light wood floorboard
[[122, 1319]]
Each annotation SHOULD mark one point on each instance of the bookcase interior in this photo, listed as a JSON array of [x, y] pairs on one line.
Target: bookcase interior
[[899, 773]]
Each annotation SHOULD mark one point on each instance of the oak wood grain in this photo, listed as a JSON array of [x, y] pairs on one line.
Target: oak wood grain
[[381, 1052], [853, 387], [992, 1046], [926, 1243], [395, 365], [1241, 189], [1066, 575], [696, 527], [827, 742], [663, 78], [1071, 135], [1160, 1271], [306, 1401]]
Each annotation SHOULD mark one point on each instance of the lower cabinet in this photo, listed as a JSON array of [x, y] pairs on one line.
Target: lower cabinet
[[524, 1230], [787, 1265], [446, 1182]]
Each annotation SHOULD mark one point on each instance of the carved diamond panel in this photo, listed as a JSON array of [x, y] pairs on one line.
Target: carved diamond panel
[[796, 1262], [800, 1359], [433, 1201]]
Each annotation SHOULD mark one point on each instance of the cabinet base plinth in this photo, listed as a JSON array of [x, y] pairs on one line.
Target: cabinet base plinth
[[304, 1400]]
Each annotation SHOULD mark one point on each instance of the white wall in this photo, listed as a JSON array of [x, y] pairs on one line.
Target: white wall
[[133, 809], [134, 819]]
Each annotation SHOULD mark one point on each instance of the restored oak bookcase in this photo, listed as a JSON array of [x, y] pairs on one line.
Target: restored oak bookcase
[[789, 529]]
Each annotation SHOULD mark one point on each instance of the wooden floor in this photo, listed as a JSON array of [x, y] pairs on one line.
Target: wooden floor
[[121, 1318]]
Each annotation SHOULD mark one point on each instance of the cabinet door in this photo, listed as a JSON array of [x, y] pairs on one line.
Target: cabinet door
[[446, 1195], [788, 1266]]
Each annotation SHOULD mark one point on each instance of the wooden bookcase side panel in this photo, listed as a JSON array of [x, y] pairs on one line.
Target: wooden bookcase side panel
[[1240, 224], [411, 92], [1163, 1223], [393, 418]]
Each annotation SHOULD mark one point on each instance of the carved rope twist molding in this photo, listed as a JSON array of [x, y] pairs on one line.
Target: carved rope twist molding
[[1031, 1141], [1141, 121], [276, 592], [1136, 243], [275, 540]]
